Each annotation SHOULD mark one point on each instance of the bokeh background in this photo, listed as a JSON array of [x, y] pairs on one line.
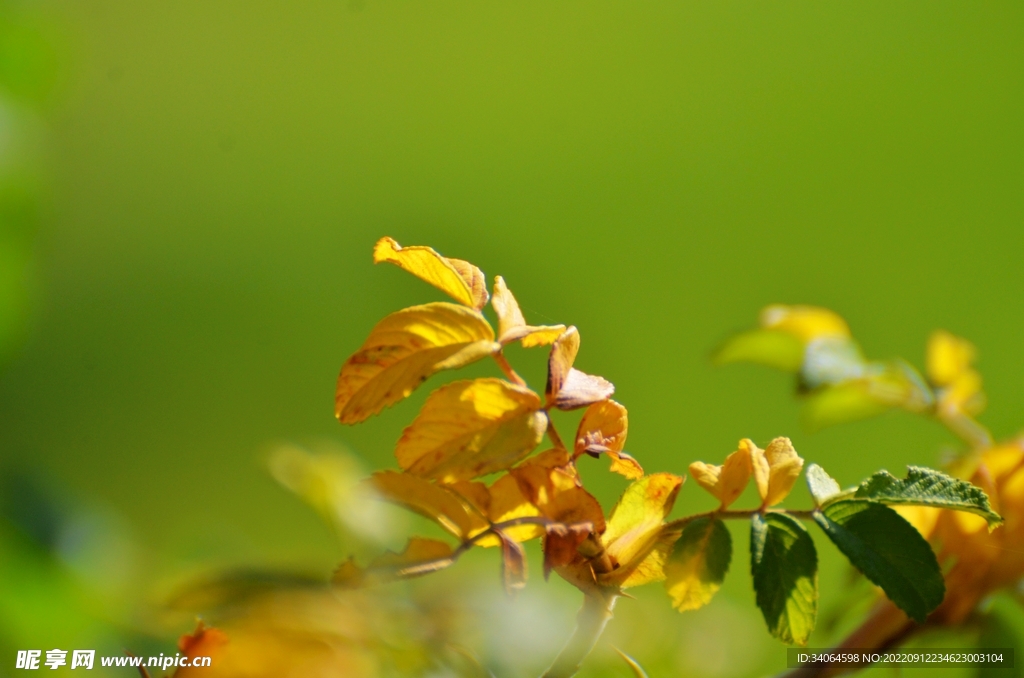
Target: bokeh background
[[197, 188]]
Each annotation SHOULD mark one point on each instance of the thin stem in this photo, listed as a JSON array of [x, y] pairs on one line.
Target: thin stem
[[507, 370], [590, 624], [741, 514], [556, 439]]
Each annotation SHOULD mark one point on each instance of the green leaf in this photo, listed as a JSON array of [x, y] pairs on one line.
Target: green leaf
[[822, 486], [840, 404], [698, 564], [773, 348], [888, 550], [927, 487], [882, 386], [784, 566]]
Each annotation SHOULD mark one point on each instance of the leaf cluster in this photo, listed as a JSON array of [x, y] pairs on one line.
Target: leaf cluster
[[467, 461]]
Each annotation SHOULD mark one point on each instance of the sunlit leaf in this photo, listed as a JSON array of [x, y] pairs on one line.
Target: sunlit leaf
[[927, 487], [468, 429], [602, 430], [784, 566], [947, 357], [822, 486], [698, 564], [888, 550], [512, 325], [459, 279], [775, 469], [806, 323], [727, 482], [567, 387], [634, 538], [508, 502], [429, 500], [406, 348], [421, 556]]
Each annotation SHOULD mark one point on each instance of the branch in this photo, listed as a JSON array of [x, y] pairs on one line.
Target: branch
[[742, 514], [507, 370], [590, 623]]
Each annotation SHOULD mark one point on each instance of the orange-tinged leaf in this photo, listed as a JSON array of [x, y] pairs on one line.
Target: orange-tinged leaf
[[561, 543], [467, 429], [806, 323], [461, 280], [549, 482], [513, 565], [726, 482], [429, 500], [511, 323], [635, 525], [406, 348], [602, 430], [561, 359], [421, 556], [776, 469]]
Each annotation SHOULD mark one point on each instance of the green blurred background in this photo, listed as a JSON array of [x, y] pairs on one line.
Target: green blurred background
[[214, 176]]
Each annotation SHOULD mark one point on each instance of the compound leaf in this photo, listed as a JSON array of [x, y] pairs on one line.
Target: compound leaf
[[698, 565], [784, 566], [927, 487], [459, 279], [888, 550], [403, 350], [468, 429]]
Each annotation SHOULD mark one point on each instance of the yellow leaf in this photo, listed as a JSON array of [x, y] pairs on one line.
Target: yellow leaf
[[948, 356], [429, 500], [561, 359], [776, 469], [403, 350], [461, 280], [697, 568], [507, 503], [634, 529], [726, 482], [602, 430], [468, 429], [421, 556], [511, 323], [806, 323]]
